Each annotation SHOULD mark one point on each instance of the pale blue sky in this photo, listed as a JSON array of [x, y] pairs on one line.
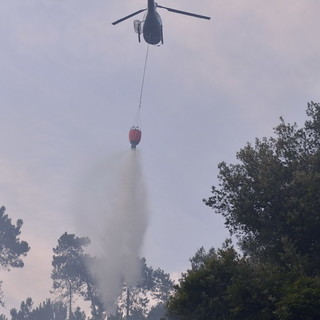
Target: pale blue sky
[[70, 85]]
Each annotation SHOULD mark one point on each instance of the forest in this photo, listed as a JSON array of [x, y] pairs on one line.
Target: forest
[[268, 269]]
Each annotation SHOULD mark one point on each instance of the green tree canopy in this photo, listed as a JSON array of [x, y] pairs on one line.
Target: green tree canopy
[[221, 285], [68, 267], [300, 300], [270, 200], [271, 197], [71, 276], [12, 249]]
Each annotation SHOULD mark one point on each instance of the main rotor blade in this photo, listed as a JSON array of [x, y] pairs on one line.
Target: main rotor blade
[[184, 12], [129, 16]]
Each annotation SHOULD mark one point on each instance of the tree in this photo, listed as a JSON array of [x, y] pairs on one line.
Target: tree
[[157, 312], [300, 300], [271, 197], [151, 292], [46, 310], [49, 310], [25, 311], [221, 285], [12, 249], [71, 276], [68, 267], [79, 315], [271, 202], [91, 290]]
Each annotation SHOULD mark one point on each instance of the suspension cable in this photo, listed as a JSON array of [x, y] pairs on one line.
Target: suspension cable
[[143, 77]]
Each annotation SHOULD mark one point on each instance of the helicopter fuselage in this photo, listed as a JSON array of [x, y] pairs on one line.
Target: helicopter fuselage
[[152, 25]]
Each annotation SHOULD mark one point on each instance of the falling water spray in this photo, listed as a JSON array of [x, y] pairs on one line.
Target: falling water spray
[[114, 213]]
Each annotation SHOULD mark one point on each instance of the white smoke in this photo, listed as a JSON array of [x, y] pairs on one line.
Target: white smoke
[[113, 213]]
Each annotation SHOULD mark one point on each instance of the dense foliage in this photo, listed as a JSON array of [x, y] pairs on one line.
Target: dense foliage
[[223, 285], [271, 203], [12, 249], [47, 310], [270, 199], [71, 276]]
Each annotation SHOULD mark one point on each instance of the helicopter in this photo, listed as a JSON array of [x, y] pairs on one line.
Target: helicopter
[[151, 26]]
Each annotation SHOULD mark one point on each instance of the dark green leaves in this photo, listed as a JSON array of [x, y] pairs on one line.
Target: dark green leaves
[[273, 192], [11, 247]]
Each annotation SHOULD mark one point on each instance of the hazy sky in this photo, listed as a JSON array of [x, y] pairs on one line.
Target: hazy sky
[[69, 91]]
